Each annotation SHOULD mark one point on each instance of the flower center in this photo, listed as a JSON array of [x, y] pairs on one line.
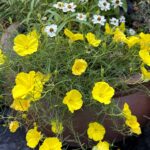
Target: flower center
[[81, 16], [117, 1], [51, 30], [104, 4], [69, 6], [99, 18], [26, 47]]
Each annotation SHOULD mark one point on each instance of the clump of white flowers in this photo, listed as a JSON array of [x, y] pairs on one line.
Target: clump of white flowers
[[98, 19], [51, 30], [104, 5]]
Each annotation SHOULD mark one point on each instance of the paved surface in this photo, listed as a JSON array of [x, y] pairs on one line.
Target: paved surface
[[12, 141]]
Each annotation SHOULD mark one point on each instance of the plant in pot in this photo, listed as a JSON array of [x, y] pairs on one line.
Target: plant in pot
[[72, 81]]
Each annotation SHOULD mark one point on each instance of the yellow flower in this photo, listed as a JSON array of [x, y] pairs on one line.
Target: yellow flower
[[101, 146], [122, 27], [126, 111], [79, 67], [145, 73], [24, 84], [73, 37], [13, 126], [73, 100], [26, 44], [51, 143], [145, 56], [119, 36], [131, 120], [2, 57], [131, 41], [111, 31], [20, 104], [92, 40], [57, 127], [133, 124], [136, 130], [145, 41], [96, 131], [108, 29], [33, 137], [103, 92]]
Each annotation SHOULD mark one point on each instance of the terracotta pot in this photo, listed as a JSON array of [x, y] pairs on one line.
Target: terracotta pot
[[139, 104]]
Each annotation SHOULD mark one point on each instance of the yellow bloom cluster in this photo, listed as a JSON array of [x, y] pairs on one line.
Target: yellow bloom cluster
[[91, 38], [29, 87], [131, 120], [144, 54], [26, 44], [142, 39], [119, 35], [13, 126], [2, 58], [33, 138], [145, 73]]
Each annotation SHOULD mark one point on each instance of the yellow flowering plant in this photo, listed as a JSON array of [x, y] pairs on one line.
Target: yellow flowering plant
[[65, 63]]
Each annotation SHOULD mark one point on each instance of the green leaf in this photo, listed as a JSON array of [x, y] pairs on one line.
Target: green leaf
[[125, 5]]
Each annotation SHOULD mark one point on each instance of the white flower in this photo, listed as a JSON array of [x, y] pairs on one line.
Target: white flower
[[51, 30], [114, 21], [132, 31], [104, 5], [81, 16], [122, 19], [69, 7], [117, 3], [59, 5], [97, 19]]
